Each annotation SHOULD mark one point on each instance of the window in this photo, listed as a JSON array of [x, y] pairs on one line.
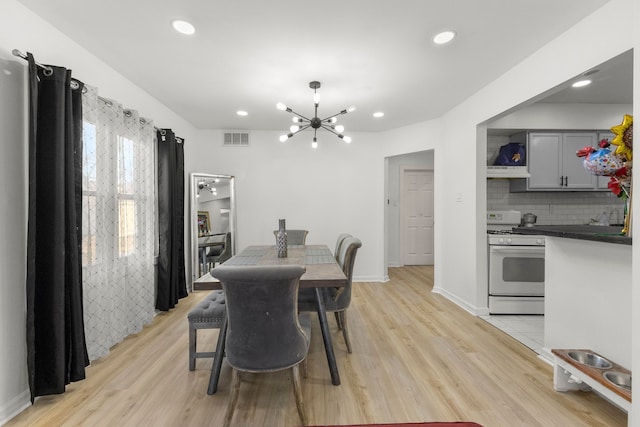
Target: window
[[127, 230]]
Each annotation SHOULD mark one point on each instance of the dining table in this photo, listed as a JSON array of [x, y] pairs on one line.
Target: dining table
[[322, 270]]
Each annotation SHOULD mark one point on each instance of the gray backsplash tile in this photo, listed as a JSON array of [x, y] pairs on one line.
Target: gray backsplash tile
[[555, 208]]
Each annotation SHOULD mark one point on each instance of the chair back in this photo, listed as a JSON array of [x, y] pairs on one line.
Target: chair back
[[214, 256], [264, 333], [346, 260], [339, 242], [294, 237], [226, 253]]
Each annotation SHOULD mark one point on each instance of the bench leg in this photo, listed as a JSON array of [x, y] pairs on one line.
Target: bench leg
[[192, 347]]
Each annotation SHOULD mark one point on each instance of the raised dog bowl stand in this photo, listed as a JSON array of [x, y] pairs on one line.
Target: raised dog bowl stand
[[572, 374]]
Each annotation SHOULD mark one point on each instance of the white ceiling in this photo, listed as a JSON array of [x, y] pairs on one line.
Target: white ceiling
[[250, 54]]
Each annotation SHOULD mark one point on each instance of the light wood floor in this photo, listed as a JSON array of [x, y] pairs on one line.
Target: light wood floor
[[416, 357]]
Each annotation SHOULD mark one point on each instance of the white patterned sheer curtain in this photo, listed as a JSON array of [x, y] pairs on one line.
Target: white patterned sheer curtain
[[118, 222]]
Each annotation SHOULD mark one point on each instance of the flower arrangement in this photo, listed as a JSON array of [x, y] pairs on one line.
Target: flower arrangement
[[615, 164]]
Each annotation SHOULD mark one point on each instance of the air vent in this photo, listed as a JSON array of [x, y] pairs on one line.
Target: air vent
[[236, 139]]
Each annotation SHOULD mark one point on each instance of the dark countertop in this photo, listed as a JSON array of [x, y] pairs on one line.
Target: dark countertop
[[595, 233]]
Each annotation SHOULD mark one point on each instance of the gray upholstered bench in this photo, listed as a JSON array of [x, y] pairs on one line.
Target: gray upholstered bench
[[208, 314]]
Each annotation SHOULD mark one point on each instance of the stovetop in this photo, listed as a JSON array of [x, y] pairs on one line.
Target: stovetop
[[500, 230], [505, 231]]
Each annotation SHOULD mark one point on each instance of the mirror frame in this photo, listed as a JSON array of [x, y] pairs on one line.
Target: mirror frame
[[193, 217]]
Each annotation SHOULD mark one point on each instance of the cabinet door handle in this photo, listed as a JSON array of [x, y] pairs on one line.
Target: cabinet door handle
[[561, 180], [566, 181]]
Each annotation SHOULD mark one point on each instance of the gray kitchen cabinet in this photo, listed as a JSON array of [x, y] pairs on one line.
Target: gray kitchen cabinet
[[553, 164]]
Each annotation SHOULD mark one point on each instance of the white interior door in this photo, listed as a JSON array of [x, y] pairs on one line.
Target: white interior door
[[417, 217]]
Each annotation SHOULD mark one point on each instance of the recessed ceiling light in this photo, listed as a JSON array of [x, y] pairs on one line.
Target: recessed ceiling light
[[183, 27], [378, 114], [444, 37], [581, 83], [242, 113]]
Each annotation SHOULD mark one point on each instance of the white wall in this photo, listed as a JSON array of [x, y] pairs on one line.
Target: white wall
[[634, 417], [13, 220], [553, 116], [333, 189], [20, 29]]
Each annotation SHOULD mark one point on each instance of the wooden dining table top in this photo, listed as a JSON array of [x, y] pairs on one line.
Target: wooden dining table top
[[322, 270]]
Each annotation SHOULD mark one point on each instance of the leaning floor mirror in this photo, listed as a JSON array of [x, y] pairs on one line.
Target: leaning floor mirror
[[212, 222]]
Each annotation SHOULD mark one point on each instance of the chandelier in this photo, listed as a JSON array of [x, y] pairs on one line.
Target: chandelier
[[204, 185], [301, 122]]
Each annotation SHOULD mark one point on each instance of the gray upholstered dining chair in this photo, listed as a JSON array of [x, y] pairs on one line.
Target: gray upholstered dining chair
[[339, 241], [294, 237], [265, 333], [220, 254], [336, 300]]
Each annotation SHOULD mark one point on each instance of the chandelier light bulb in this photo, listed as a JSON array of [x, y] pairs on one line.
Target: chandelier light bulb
[[314, 144], [333, 119], [351, 109], [294, 128], [283, 138], [347, 139], [295, 119], [280, 106], [340, 128]]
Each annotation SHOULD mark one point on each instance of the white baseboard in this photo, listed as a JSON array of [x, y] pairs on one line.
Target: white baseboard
[[462, 303], [14, 407], [370, 279]]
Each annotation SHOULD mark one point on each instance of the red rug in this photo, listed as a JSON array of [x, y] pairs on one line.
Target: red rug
[[430, 424]]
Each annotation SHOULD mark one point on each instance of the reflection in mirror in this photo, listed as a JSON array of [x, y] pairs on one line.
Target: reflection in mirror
[[212, 221]]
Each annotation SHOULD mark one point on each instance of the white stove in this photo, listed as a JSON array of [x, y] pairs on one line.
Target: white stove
[[516, 266]]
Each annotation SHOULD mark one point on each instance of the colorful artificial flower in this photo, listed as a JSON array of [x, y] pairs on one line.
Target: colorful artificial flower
[[620, 182], [624, 137]]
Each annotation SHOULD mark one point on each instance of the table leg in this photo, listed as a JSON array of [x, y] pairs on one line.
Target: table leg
[[217, 360], [326, 336], [203, 261]]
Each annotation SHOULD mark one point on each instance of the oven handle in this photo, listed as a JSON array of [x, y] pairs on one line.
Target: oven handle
[[516, 249]]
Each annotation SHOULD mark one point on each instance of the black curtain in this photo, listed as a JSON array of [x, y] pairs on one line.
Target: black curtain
[[56, 348], [170, 272]]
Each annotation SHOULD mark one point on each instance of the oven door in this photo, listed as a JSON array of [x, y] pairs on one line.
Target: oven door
[[516, 270]]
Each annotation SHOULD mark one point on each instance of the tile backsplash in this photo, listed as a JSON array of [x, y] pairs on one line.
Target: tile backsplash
[[556, 208]]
